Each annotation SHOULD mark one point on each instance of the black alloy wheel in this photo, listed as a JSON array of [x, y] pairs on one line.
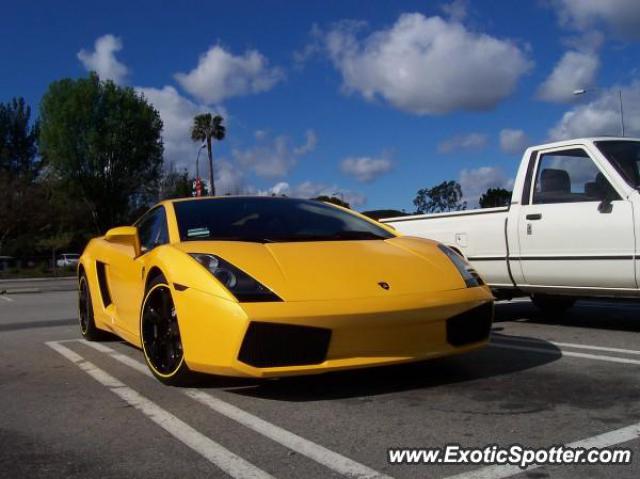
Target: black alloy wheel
[[88, 327], [160, 335]]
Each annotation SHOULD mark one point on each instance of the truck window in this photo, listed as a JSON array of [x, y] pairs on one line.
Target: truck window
[[570, 176], [625, 157]]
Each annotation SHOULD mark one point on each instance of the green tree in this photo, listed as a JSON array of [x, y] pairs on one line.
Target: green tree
[[332, 199], [102, 144], [175, 184], [207, 128], [21, 201], [18, 139], [447, 196], [495, 197]]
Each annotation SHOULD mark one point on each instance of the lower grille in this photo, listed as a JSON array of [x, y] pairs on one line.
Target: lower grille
[[471, 326], [272, 345]]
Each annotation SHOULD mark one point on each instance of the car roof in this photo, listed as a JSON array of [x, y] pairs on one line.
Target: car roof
[[227, 197]]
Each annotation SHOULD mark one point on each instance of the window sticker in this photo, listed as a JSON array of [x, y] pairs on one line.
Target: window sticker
[[197, 232]]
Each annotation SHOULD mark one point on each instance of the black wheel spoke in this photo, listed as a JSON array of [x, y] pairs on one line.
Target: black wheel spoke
[[166, 307]]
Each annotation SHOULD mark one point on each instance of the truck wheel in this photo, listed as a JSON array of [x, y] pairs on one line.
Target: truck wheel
[[548, 303]]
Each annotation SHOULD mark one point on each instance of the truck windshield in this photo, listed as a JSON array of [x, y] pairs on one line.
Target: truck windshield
[[624, 155]]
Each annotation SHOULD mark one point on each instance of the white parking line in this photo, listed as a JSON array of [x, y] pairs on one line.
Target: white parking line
[[571, 345], [318, 453], [230, 463], [597, 357], [6, 298], [330, 459], [607, 439]]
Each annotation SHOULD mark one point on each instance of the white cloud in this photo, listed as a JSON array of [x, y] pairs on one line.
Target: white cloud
[[311, 189], [468, 142], [601, 115], [311, 141], [300, 57], [228, 178], [365, 169], [575, 70], [103, 60], [274, 158], [426, 65], [513, 141], [177, 114], [456, 10], [475, 182], [588, 41], [622, 17], [220, 75]]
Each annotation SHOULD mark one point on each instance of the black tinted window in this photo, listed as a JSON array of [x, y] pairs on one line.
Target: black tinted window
[[570, 176], [152, 229], [270, 219]]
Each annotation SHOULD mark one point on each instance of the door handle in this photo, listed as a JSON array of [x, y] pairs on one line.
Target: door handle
[[534, 216]]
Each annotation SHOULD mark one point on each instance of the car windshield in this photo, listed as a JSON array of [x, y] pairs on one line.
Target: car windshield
[[270, 219], [624, 155]]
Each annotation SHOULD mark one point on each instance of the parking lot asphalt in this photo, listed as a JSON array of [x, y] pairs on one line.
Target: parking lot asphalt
[[74, 409]]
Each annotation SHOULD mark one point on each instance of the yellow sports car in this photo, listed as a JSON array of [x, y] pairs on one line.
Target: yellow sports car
[[264, 287]]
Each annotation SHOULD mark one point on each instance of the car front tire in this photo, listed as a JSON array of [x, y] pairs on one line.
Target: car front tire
[[160, 336]]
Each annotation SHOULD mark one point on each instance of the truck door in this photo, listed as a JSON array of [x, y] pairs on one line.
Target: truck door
[[576, 230]]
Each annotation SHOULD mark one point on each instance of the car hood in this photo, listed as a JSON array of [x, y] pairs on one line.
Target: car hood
[[335, 270]]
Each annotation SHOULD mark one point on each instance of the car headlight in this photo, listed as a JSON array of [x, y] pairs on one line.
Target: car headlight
[[470, 276], [240, 284]]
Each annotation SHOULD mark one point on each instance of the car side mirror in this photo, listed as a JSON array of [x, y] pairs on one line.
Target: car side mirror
[[126, 235]]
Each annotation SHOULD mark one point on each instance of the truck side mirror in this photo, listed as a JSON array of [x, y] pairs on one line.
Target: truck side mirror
[[126, 235], [606, 205]]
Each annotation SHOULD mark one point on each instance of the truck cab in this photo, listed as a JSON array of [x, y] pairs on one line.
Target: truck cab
[[570, 230]]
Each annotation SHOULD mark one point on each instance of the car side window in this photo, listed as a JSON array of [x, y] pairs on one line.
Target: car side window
[[152, 229], [570, 176]]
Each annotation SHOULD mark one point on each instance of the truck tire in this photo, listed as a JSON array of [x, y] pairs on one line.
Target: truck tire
[[548, 303]]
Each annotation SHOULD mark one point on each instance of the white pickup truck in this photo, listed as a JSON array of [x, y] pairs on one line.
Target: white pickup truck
[[569, 232]]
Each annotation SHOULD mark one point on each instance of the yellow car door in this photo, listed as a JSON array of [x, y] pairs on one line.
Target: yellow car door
[[127, 271]]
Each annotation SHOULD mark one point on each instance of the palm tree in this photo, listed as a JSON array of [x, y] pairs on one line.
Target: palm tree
[[208, 127]]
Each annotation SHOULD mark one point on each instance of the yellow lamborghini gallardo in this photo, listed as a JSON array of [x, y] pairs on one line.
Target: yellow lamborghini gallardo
[[264, 287]]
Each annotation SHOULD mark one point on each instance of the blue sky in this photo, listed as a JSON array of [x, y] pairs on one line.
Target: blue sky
[[371, 99]]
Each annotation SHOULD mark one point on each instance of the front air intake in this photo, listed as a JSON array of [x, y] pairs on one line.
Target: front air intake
[[268, 345], [471, 326]]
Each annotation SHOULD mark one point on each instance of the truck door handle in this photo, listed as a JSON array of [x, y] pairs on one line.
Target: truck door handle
[[534, 216]]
